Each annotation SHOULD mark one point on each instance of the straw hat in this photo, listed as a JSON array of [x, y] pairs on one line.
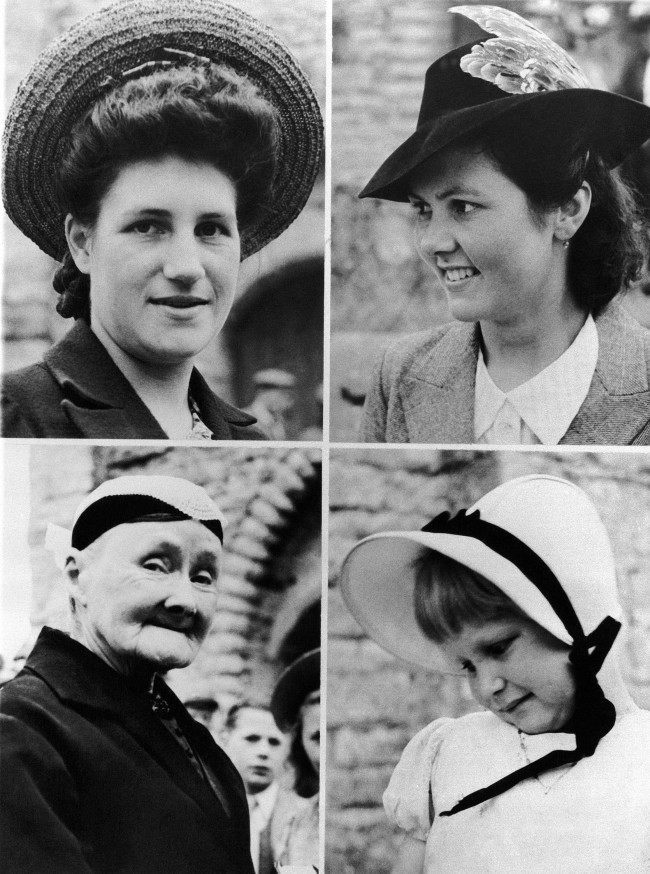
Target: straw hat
[[524, 81], [71, 73], [550, 516]]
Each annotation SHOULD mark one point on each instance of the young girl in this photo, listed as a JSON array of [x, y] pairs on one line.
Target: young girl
[[532, 236], [518, 593]]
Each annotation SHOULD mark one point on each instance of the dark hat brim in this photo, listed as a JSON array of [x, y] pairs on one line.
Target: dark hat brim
[[69, 75], [297, 681], [611, 125]]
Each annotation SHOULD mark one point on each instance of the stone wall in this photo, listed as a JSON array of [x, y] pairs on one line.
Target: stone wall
[[270, 580], [375, 705]]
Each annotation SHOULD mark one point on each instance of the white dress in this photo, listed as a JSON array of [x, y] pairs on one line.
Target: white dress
[[592, 817]]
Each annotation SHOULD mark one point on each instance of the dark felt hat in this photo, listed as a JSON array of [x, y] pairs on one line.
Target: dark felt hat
[[297, 681], [519, 79]]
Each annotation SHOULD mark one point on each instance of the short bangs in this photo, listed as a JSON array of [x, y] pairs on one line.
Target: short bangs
[[448, 595]]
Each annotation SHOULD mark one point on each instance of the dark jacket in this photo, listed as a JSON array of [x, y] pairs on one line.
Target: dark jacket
[[422, 391], [92, 781], [78, 391]]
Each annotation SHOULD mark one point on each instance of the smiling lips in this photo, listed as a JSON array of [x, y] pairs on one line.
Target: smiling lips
[[180, 301], [514, 704], [455, 274]]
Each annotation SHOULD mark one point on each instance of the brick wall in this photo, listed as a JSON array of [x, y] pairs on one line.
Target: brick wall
[[375, 705]]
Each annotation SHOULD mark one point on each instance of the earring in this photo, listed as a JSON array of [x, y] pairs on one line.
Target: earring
[[566, 244]]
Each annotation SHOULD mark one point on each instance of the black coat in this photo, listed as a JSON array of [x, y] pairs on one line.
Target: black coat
[[92, 781], [78, 391]]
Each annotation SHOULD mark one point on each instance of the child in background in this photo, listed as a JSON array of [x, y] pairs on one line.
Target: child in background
[[518, 593]]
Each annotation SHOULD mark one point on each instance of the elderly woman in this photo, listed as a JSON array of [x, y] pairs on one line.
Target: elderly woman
[[103, 769], [295, 704], [150, 149], [532, 235]]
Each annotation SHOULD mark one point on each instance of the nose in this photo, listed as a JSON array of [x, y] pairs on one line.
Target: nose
[[435, 237], [487, 683], [182, 260], [181, 602]]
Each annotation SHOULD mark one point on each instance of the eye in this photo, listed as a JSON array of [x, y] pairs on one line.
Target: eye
[[422, 210], [157, 564], [210, 230], [146, 228], [463, 207], [468, 667], [499, 648], [204, 578]]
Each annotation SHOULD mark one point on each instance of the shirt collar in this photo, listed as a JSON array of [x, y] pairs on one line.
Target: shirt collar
[[265, 800], [548, 402]]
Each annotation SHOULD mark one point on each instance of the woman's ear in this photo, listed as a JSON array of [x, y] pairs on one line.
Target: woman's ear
[[73, 567], [571, 214], [79, 239]]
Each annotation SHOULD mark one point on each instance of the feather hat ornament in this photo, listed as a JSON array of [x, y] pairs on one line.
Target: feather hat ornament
[[518, 79], [520, 59]]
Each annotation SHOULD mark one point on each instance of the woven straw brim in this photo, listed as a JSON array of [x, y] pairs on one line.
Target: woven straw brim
[[68, 77]]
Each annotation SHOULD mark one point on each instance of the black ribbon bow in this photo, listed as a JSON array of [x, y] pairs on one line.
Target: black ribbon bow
[[594, 714]]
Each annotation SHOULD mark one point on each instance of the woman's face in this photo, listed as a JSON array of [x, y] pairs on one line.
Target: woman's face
[[517, 670], [495, 261], [146, 593], [310, 728], [163, 259]]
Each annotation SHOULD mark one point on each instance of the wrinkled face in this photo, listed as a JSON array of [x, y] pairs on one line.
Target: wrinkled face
[[310, 728], [517, 670], [163, 259], [145, 594], [474, 228], [257, 747]]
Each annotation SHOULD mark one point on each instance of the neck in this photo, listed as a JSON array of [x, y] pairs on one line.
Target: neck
[[140, 675], [518, 350], [162, 387]]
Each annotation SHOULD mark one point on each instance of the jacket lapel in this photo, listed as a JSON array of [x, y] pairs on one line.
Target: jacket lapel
[[617, 408], [217, 414], [98, 398], [437, 394]]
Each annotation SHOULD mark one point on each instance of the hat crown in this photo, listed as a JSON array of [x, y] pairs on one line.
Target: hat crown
[[447, 88], [558, 521]]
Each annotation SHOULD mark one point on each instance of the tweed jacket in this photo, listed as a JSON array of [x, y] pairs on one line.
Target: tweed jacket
[[93, 781], [422, 390], [78, 391]]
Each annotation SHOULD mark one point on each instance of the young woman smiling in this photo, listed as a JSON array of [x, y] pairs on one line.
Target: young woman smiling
[[532, 235], [150, 169]]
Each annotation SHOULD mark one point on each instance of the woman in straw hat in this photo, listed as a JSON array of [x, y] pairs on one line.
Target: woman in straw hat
[[150, 149], [103, 769], [532, 236], [295, 705], [519, 594]]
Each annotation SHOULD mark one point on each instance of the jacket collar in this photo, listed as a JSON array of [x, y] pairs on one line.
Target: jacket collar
[[438, 393], [102, 403], [85, 682]]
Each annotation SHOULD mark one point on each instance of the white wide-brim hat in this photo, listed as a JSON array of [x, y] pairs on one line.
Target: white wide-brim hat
[[552, 517]]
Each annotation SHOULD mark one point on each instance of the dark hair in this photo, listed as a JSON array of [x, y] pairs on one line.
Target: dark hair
[[306, 782], [549, 159], [198, 113], [232, 717], [448, 595]]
